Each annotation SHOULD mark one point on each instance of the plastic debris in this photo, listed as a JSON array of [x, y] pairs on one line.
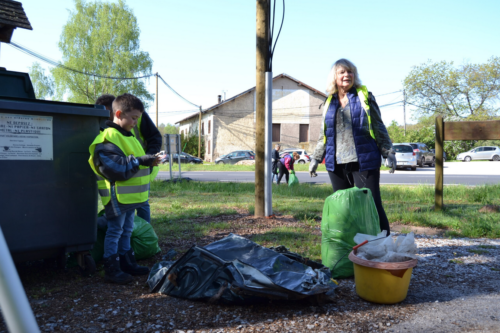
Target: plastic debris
[[386, 249], [235, 270]]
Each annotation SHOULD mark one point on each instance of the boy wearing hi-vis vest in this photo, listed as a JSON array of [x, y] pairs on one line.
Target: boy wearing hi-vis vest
[[123, 172], [150, 139]]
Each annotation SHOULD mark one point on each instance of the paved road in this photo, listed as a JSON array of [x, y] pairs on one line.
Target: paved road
[[454, 173]]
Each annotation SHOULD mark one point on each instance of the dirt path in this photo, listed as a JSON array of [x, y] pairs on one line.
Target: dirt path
[[461, 274]]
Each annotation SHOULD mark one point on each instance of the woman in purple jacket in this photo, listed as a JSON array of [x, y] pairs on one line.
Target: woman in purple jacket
[[285, 165]]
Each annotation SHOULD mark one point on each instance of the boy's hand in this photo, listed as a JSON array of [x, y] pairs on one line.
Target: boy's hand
[[148, 160], [157, 161]]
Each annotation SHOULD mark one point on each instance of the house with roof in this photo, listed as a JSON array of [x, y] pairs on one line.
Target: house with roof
[[230, 125]]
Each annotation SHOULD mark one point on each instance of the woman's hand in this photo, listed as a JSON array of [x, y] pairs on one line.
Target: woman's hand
[[391, 158], [312, 167]]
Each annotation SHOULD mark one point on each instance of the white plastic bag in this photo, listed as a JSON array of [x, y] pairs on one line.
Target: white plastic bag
[[387, 249]]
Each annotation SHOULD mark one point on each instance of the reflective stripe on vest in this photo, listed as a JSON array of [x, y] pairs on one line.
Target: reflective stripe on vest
[[363, 99], [133, 190]]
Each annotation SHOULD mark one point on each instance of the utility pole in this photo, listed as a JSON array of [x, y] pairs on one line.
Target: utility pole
[[263, 11], [156, 99], [199, 136], [404, 108]]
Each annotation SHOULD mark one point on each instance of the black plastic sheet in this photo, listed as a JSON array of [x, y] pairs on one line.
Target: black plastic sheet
[[235, 270]]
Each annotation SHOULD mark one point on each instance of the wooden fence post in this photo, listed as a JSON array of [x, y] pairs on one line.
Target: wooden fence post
[[438, 196]]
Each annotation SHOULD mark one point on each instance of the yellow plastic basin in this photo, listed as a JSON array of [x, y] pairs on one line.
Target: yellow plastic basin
[[382, 282]]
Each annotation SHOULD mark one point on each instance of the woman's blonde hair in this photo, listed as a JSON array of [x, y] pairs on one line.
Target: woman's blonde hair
[[331, 83], [296, 155]]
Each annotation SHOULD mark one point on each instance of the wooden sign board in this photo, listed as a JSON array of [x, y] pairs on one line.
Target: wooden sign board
[[472, 130], [462, 130]]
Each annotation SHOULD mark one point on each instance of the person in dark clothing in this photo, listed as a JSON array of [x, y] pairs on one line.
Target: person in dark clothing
[[286, 165], [150, 139], [275, 158]]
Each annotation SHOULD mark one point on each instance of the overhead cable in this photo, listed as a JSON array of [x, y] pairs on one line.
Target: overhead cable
[[390, 93], [169, 87], [58, 64], [269, 62]]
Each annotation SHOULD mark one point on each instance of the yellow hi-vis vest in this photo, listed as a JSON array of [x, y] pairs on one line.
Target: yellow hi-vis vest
[[133, 190], [140, 138], [363, 99]]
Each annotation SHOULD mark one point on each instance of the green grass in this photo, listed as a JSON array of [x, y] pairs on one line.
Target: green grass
[[192, 210], [487, 246], [456, 261], [210, 166], [478, 251]]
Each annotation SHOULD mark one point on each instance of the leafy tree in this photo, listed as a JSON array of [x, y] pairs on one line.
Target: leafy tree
[[167, 129], [42, 83], [101, 38], [189, 144], [468, 91]]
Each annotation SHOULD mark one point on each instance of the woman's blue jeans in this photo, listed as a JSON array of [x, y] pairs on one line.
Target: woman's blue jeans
[[117, 238]]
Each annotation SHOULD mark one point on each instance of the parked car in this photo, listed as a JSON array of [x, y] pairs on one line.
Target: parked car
[[444, 154], [480, 153], [406, 157], [236, 156], [423, 154], [304, 157], [185, 158]]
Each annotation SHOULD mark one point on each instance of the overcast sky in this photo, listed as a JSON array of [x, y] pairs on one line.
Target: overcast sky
[[204, 47]]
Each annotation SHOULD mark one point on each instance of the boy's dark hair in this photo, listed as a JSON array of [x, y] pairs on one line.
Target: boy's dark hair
[[106, 100], [127, 103]]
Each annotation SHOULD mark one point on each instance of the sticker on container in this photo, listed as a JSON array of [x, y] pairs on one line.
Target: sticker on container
[[25, 137]]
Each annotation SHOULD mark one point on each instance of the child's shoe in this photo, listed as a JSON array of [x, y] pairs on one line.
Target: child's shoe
[[129, 265], [113, 273]]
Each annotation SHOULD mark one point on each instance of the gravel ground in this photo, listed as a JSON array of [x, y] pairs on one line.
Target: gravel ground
[[454, 288]]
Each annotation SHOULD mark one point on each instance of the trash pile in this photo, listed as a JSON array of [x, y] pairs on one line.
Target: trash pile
[[235, 270], [385, 249]]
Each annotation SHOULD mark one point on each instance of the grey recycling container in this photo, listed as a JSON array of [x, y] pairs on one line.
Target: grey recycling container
[[48, 204]]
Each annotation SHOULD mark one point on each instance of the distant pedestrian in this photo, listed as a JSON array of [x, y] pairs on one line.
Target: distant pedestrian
[[286, 165], [275, 158]]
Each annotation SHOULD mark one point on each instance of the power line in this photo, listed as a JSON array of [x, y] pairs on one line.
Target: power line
[[169, 87], [381, 106], [421, 107], [389, 93], [58, 64], [269, 63]]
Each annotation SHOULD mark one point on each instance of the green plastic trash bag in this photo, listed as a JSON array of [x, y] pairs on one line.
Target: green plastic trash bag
[[346, 213], [144, 240], [293, 180]]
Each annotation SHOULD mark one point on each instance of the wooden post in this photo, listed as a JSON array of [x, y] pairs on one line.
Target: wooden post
[[156, 99], [438, 196], [199, 136], [404, 109], [263, 8]]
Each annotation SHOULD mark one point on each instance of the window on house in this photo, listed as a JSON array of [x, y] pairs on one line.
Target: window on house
[[202, 128], [208, 145], [304, 133], [209, 128], [276, 132]]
